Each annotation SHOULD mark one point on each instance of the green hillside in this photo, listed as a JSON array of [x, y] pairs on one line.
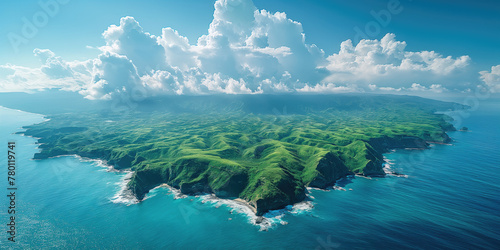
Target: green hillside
[[265, 158]]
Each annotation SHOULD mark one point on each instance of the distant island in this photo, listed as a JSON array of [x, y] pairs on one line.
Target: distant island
[[265, 150]]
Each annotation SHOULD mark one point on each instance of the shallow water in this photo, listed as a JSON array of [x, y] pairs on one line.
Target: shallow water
[[449, 200]]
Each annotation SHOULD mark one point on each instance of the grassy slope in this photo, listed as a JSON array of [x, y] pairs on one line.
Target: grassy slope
[[265, 159]]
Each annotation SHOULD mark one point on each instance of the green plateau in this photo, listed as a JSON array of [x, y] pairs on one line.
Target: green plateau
[[263, 149]]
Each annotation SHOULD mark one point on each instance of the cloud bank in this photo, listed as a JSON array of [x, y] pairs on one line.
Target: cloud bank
[[245, 51], [492, 79]]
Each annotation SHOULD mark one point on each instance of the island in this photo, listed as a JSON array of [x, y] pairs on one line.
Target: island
[[262, 149]]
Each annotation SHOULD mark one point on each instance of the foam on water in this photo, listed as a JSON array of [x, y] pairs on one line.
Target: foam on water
[[238, 207], [265, 222], [388, 167], [174, 191], [313, 188], [125, 195], [152, 193]]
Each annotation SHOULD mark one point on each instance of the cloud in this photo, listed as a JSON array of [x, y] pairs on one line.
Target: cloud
[[328, 88], [178, 52], [233, 19], [113, 75], [258, 46], [130, 40], [245, 51], [215, 83], [54, 73], [491, 79], [386, 62], [54, 67], [414, 88], [165, 82]]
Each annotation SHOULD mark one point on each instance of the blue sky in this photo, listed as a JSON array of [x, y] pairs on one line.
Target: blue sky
[[74, 32]]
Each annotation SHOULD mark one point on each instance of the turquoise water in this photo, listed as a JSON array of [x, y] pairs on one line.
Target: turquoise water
[[450, 199]]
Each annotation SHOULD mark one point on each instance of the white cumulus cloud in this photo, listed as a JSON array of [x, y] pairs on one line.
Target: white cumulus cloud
[[492, 79], [113, 75], [245, 51], [385, 62], [53, 73]]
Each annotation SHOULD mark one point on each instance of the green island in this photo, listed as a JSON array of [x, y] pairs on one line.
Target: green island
[[264, 150]]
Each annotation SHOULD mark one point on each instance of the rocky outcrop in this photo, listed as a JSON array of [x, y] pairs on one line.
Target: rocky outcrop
[[446, 138], [374, 169], [289, 193], [233, 186], [191, 176], [144, 180], [329, 169], [195, 187], [278, 202], [384, 144]]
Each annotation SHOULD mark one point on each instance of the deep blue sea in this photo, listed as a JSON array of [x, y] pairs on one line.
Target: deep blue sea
[[450, 199]]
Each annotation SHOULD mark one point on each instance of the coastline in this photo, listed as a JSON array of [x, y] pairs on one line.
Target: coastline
[[21, 130], [244, 202], [371, 218], [127, 196], [238, 205], [264, 222], [124, 195], [327, 169], [18, 110]]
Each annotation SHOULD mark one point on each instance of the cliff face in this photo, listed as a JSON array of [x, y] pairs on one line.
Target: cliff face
[[384, 144], [374, 166], [329, 169], [191, 176], [270, 194], [145, 180], [278, 202]]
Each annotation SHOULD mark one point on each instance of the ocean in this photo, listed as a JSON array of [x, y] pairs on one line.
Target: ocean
[[448, 199]]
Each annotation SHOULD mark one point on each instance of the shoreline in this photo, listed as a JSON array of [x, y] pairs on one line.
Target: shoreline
[[99, 162], [379, 145], [265, 222], [126, 196], [246, 203]]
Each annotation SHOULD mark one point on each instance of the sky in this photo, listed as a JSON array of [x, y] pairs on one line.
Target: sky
[[107, 49]]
